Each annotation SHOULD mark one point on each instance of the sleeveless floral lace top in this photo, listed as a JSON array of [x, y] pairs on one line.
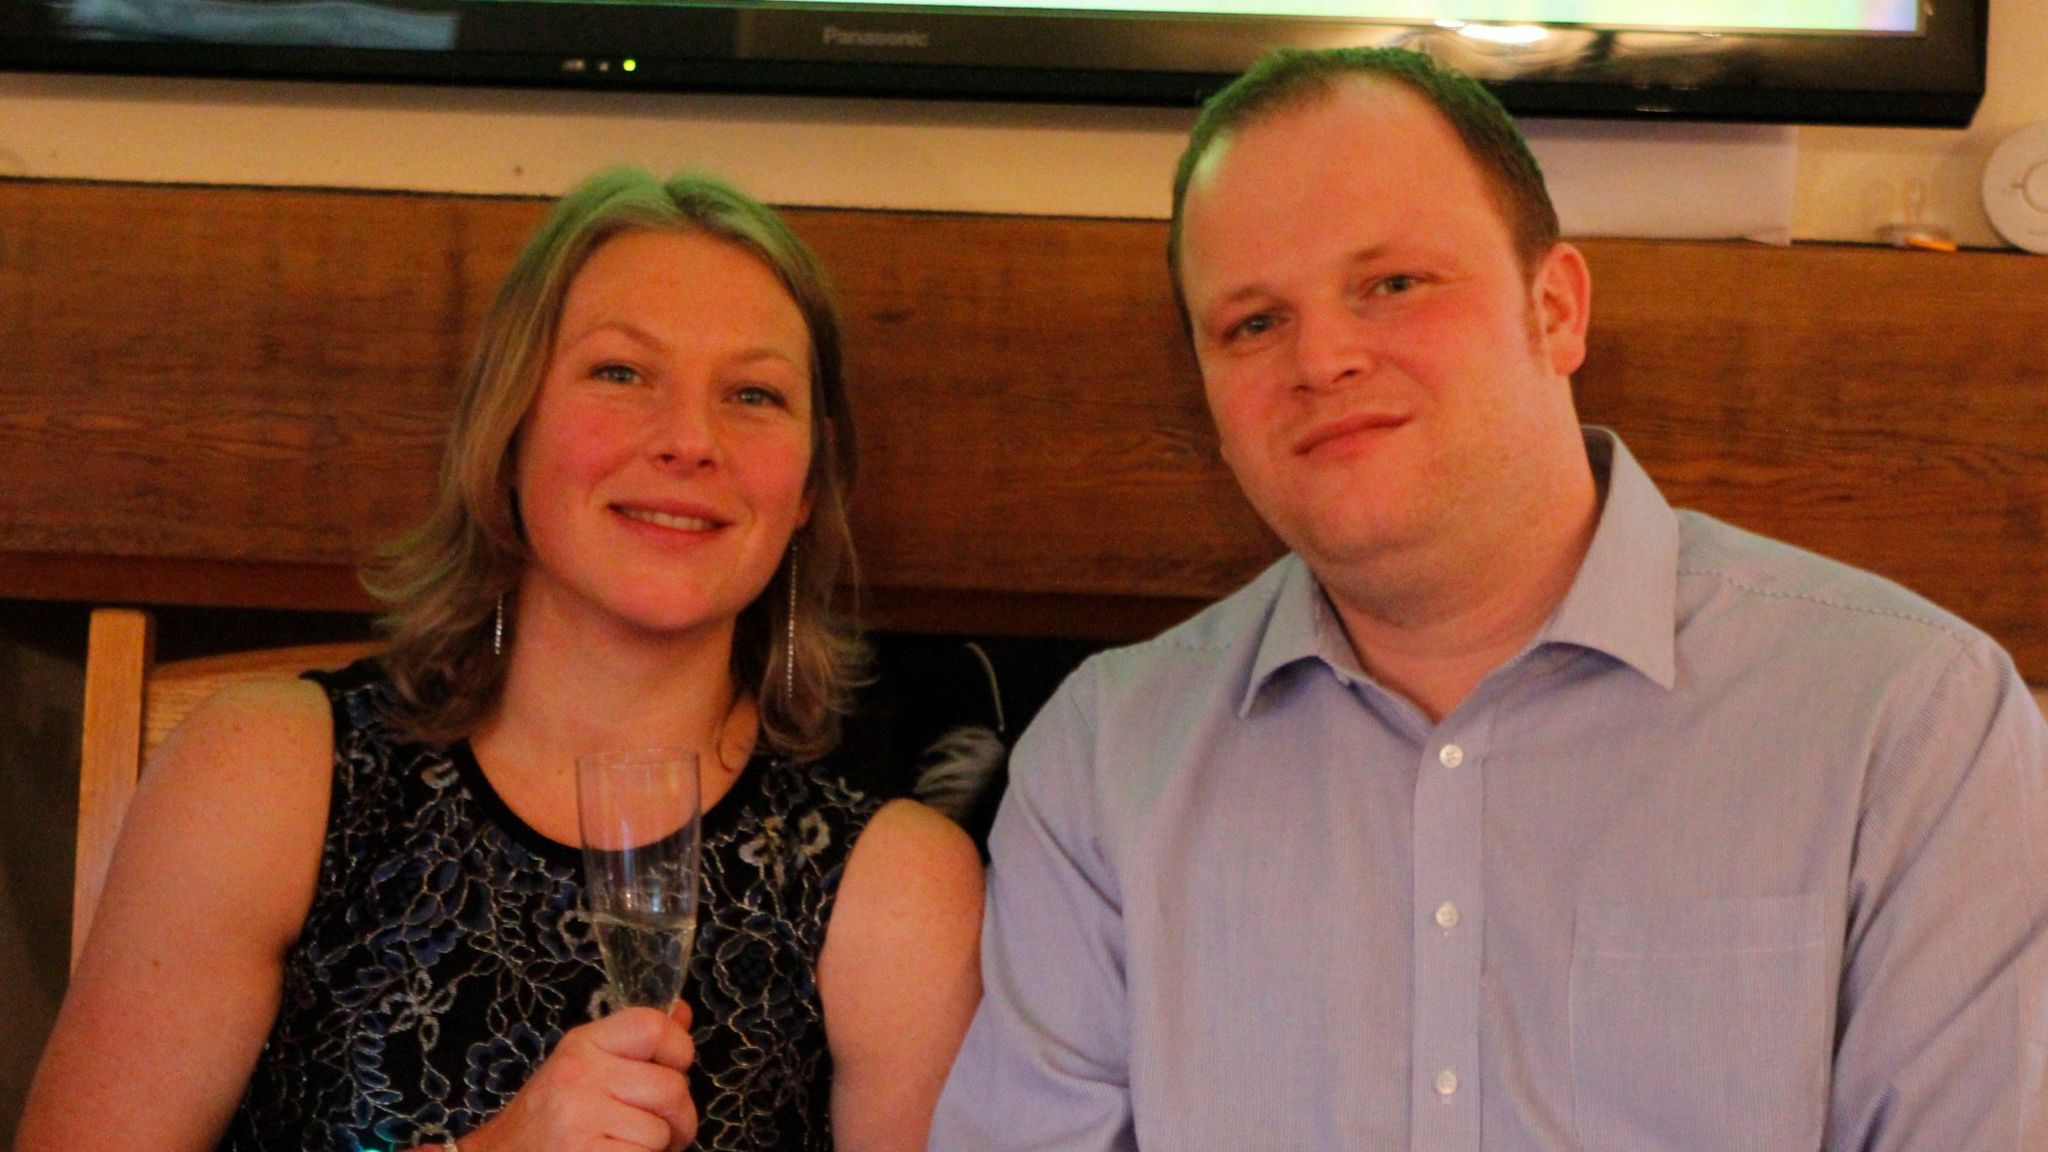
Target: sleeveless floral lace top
[[445, 953]]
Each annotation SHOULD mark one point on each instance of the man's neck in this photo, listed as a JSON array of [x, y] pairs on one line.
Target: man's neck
[[1434, 637]]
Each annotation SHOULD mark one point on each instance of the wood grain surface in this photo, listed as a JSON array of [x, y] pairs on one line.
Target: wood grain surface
[[118, 655], [216, 395]]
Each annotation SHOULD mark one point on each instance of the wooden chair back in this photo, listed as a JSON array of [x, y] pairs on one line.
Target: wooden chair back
[[131, 704]]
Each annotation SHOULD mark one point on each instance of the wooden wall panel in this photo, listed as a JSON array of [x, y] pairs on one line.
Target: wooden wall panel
[[231, 374], [1030, 418], [227, 395], [263, 375]]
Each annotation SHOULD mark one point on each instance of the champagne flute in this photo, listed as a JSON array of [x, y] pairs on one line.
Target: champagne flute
[[638, 814]]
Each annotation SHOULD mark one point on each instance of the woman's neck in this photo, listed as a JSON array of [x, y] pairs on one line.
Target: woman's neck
[[571, 688]]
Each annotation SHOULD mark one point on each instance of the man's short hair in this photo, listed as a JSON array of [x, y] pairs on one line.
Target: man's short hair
[[1287, 78]]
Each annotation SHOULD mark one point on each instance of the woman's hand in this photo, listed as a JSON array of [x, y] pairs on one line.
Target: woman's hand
[[612, 1084]]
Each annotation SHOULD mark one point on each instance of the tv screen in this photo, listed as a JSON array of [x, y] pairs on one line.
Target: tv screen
[[1794, 61]]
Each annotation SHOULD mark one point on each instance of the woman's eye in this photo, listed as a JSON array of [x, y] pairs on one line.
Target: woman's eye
[[616, 373], [759, 396]]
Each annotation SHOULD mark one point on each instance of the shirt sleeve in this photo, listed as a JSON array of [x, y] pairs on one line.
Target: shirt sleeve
[[1943, 1032], [1045, 1063]]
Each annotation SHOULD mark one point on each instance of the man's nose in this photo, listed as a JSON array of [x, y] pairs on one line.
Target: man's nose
[[1331, 347]]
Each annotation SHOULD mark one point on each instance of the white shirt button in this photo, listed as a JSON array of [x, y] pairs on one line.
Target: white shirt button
[[1446, 1082], [1451, 756], [1447, 915]]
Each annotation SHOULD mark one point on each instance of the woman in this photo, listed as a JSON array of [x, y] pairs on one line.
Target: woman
[[343, 910]]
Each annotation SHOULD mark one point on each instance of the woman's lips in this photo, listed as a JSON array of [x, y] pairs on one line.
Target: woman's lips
[[680, 520]]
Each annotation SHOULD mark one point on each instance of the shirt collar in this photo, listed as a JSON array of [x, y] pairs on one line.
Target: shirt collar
[[1623, 602], [1300, 626]]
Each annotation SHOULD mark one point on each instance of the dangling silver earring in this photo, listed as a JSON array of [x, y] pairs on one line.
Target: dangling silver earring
[[789, 638], [498, 629]]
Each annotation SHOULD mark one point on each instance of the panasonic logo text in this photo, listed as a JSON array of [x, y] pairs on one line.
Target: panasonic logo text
[[854, 38]]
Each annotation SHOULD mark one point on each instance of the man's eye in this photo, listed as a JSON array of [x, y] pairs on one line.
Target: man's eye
[[1395, 285], [1257, 324]]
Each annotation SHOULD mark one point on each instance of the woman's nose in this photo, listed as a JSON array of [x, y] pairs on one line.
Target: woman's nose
[[685, 436]]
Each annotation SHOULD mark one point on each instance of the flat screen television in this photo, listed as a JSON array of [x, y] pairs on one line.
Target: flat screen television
[[1901, 62]]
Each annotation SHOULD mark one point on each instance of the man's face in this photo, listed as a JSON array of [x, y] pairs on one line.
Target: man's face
[[1383, 376]]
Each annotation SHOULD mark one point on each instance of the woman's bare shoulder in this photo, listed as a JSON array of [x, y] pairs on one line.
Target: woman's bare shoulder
[[229, 814], [904, 834], [257, 755], [243, 784], [912, 870], [266, 728]]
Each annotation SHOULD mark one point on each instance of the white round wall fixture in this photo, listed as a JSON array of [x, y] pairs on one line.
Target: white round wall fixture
[[2016, 188]]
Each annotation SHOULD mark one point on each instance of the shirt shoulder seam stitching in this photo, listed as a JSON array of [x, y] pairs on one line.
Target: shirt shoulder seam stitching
[[1825, 602]]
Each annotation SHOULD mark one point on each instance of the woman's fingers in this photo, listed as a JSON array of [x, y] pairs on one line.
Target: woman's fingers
[[674, 1049], [645, 1034], [618, 1081], [654, 1050], [658, 1093], [636, 1127], [649, 1087], [681, 1118]]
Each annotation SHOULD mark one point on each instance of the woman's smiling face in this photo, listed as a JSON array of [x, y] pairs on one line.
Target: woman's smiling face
[[661, 471]]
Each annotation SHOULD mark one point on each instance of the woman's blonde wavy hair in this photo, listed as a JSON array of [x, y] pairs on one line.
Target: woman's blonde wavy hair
[[441, 583]]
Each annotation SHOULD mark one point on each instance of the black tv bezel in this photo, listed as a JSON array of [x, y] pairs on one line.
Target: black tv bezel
[[1931, 79]]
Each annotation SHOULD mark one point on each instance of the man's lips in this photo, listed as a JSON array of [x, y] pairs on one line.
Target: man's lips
[[1333, 430]]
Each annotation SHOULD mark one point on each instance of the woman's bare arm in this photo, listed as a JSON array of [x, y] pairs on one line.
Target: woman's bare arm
[[900, 975], [212, 877]]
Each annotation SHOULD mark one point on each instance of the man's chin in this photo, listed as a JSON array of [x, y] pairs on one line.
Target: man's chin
[[1374, 553]]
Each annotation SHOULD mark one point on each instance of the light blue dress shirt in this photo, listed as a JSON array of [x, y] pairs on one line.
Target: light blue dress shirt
[[1747, 851]]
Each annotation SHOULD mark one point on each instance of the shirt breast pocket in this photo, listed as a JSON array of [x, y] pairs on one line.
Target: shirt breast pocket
[[1701, 1024]]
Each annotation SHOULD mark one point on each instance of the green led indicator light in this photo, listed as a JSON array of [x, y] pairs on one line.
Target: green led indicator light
[[629, 63]]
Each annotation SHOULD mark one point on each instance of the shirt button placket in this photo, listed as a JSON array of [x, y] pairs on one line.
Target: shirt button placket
[[1448, 901]]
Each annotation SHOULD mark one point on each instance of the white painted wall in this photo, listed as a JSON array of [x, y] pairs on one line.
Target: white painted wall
[[998, 158]]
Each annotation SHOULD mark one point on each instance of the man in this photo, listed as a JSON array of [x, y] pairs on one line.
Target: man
[[1511, 810]]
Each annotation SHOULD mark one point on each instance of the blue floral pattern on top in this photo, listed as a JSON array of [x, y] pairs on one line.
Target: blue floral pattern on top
[[446, 952]]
